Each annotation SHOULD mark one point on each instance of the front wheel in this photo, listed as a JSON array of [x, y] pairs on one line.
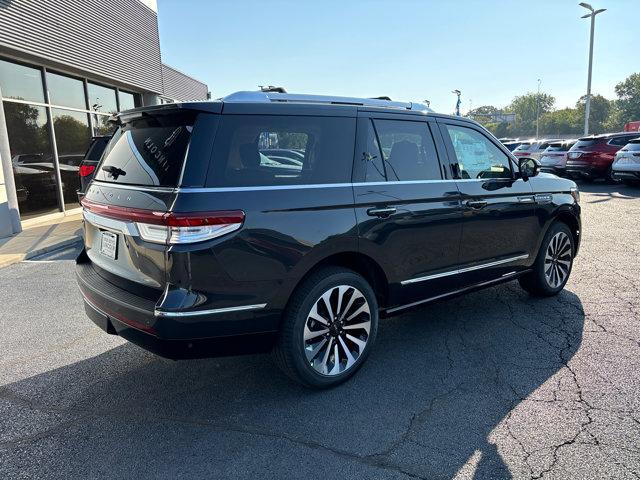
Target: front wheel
[[553, 264], [328, 328]]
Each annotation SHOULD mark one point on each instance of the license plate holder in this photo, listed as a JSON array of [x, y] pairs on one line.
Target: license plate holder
[[109, 245]]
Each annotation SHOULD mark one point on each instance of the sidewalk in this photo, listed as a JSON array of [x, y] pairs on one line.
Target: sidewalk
[[39, 239]]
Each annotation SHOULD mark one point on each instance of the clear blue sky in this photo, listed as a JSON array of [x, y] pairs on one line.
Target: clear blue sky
[[408, 50]]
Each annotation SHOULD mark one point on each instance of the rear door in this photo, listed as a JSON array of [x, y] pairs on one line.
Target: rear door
[[408, 211], [500, 228], [143, 164]]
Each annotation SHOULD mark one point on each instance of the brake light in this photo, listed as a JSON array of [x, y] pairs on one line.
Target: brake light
[[86, 170], [574, 154], [171, 228]]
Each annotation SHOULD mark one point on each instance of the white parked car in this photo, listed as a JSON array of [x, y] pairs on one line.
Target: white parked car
[[626, 163], [533, 148]]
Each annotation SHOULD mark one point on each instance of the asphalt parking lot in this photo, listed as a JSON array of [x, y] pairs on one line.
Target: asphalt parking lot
[[491, 385]]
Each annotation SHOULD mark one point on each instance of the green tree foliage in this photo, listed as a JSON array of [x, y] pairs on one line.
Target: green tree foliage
[[72, 136], [628, 103], [526, 107], [599, 112]]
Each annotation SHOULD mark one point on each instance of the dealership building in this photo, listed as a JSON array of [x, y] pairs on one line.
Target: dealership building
[[65, 67]]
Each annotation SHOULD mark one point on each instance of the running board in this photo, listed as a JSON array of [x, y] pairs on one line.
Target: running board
[[504, 278]]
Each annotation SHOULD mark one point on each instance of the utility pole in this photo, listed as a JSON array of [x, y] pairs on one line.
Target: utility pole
[[587, 105], [538, 111]]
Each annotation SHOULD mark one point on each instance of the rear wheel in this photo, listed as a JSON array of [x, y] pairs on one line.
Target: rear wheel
[[553, 264], [609, 178], [328, 328]]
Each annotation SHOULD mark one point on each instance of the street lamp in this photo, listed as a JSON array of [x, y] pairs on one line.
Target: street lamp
[[538, 110], [458, 93], [587, 105]]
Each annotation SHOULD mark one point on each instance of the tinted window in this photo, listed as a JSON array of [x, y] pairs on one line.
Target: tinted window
[[408, 152], [523, 147], [542, 146], [148, 151], [369, 154], [633, 147], [476, 155], [96, 148], [619, 141], [282, 150], [65, 91], [584, 143], [20, 82]]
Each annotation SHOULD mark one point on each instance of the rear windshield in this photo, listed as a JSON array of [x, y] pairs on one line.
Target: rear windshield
[[582, 143], [523, 148], [558, 147], [96, 148], [632, 147], [270, 150], [148, 151]]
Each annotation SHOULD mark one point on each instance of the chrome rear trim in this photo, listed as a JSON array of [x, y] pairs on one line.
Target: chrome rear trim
[[162, 313], [111, 224]]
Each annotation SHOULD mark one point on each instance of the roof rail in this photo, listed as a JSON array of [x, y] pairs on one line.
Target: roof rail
[[275, 97]]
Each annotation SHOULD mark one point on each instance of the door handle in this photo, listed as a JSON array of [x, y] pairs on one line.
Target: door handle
[[476, 204], [381, 212]]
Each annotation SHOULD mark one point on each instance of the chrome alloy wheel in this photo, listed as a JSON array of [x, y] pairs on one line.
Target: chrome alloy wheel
[[557, 260], [336, 331]]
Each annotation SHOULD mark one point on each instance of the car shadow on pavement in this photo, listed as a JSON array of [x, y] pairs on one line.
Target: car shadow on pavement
[[608, 191], [440, 383]]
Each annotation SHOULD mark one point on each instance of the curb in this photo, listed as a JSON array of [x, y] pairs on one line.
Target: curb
[[12, 258]]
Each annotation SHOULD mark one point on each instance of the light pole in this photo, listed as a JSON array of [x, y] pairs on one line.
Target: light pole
[[458, 93], [538, 111], [587, 105]]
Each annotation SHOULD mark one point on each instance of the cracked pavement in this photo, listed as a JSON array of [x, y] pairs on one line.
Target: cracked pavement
[[491, 385]]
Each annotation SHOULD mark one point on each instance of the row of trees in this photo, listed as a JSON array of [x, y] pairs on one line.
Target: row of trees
[[605, 115]]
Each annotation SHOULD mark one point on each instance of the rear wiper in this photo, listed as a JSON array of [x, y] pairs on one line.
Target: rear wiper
[[114, 172]]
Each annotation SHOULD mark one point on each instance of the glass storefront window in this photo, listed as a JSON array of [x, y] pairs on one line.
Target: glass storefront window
[[72, 139], [101, 125], [32, 159], [20, 82], [127, 101], [65, 91], [102, 99]]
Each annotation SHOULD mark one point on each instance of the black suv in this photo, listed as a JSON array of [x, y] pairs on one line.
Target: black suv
[[272, 221]]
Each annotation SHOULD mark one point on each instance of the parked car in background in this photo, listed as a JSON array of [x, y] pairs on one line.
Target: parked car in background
[[88, 165], [626, 164], [533, 148], [632, 126], [197, 246], [592, 157], [512, 145], [554, 158]]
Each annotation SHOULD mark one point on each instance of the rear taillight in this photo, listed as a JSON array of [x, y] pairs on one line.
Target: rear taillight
[[172, 228], [574, 154], [86, 170]]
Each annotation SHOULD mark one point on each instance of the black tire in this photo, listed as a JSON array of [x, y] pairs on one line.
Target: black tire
[[536, 282], [290, 353], [609, 178], [632, 183]]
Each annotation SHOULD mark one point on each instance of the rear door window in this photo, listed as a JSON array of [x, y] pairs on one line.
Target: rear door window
[[408, 151], [148, 151], [266, 150], [619, 141], [583, 143]]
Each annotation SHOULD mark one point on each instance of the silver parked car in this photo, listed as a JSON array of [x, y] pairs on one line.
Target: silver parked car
[[626, 163], [533, 148]]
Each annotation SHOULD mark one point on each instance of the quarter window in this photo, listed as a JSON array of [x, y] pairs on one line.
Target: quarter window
[[282, 150], [476, 155], [407, 150]]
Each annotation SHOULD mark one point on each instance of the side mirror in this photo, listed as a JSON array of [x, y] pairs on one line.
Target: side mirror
[[528, 167]]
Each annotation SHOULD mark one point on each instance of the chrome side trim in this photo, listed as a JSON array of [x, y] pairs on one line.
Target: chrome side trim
[[464, 270], [454, 292], [162, 313], [111, 224]]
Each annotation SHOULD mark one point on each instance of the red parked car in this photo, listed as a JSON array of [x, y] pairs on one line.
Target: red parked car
[[592, 157]]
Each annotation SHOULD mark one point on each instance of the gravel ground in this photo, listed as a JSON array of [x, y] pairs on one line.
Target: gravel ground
[[491, 385]]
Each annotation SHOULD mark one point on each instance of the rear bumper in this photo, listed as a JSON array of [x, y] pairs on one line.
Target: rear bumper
[[555, 169], [626, 174], [585, 170], [135, 318]]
